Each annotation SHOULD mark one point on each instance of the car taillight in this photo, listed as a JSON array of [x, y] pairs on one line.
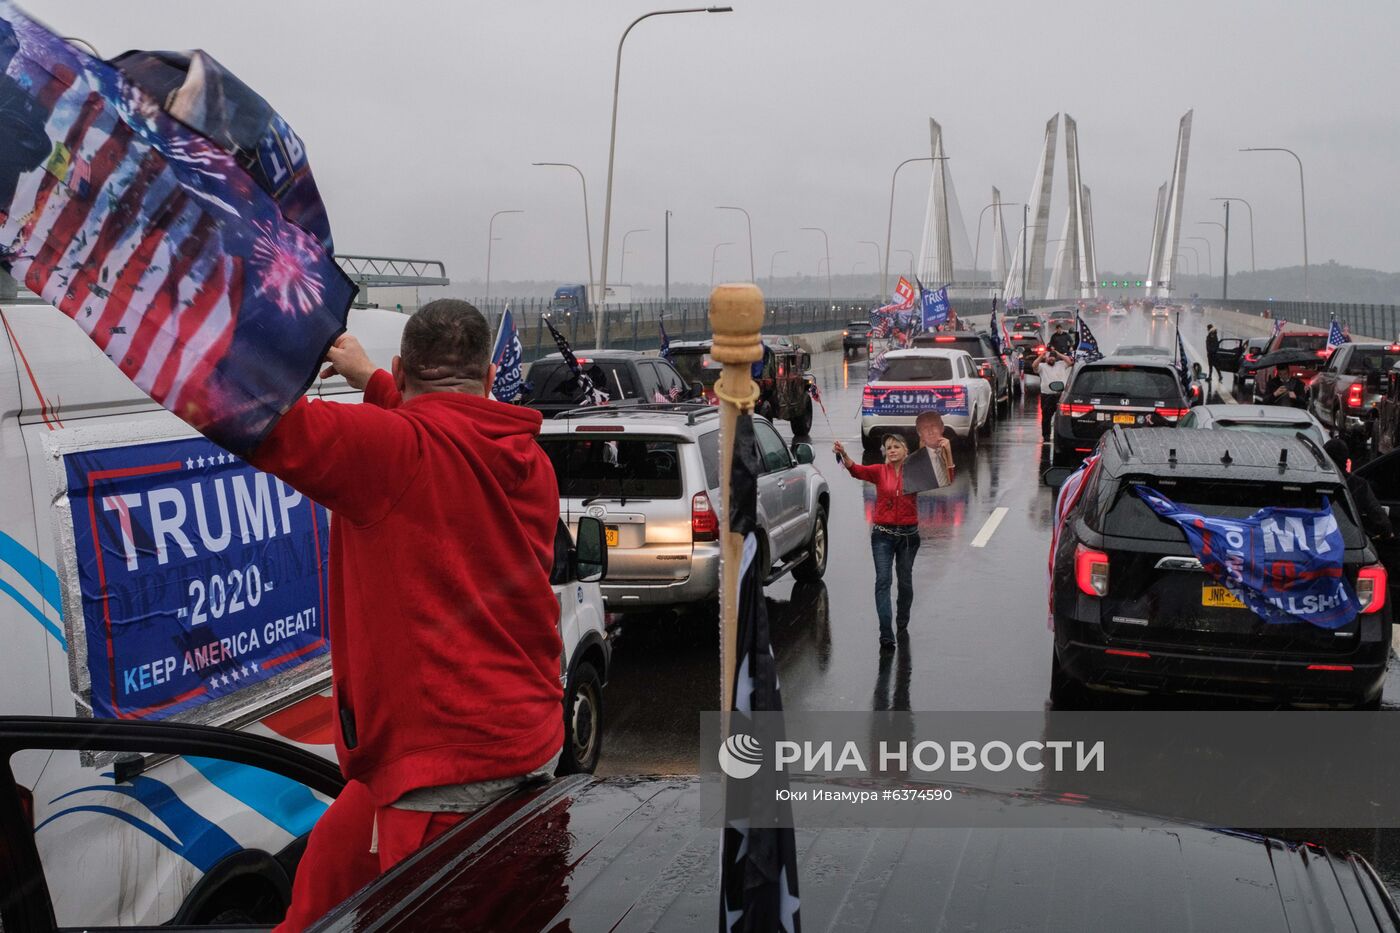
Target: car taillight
[[1355, 393], [1370, 588], [1250, 357], [944, 339], [1091, 571], [704, 522], [1040, 348], [1171, 414], [1074, 409]]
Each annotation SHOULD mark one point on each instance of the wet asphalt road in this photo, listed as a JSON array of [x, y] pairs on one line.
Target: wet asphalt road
[[978, 638]]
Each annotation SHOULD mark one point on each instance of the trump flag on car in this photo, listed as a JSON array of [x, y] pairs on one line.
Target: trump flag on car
[[758, 864], [903, 297], [171, 213], [934, 306], [506, 356]]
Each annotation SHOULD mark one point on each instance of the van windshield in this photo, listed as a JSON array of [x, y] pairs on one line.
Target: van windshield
[[614, 467]]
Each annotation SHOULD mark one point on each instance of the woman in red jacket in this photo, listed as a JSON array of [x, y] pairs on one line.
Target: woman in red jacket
[[894, 534]]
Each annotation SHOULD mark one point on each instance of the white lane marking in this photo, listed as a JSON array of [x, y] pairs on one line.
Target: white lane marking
[[990, 526]]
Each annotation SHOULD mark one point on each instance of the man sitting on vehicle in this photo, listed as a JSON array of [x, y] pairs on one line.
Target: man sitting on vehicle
[[444, 653]]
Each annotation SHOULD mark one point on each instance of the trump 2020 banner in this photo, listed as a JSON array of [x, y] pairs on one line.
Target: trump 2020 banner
[[199, 575], [1284, 564], [170, 213]]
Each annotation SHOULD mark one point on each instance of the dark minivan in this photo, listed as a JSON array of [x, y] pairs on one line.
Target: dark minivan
[[1127, 391], [1133, 610]]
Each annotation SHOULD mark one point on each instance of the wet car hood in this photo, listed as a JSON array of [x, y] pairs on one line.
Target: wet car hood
[[632, 855]]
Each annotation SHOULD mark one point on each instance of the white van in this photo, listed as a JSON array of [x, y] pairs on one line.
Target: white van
[[147, 574]]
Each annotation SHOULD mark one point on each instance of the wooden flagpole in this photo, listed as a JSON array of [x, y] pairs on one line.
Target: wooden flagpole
[[736, 318]]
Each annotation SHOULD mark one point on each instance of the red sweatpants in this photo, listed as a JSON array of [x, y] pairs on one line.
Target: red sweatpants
[[338, 861]]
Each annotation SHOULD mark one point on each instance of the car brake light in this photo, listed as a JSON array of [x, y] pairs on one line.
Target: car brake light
[[704, 522], [1393, 347], [1354, 395], [1173, 413], [1040, 348], [590, 428], [1338, 668], [1091, 571], [1324, 353], [1074, 409], [583, 360], [1370, 588], [944, 339]]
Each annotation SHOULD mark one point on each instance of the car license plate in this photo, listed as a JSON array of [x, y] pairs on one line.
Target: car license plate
[[1125, 419], [610, 533], [1219, 597]]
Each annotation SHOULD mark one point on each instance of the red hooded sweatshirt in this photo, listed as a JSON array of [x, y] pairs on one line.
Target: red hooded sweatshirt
[[445, 649]]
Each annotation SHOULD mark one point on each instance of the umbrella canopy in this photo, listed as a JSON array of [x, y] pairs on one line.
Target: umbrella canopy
[[1291, 357]]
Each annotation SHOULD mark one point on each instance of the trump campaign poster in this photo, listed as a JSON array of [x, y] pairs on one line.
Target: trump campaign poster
[[199, 575]]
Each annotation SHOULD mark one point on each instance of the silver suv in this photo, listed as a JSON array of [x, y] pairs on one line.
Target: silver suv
[[651, 474]]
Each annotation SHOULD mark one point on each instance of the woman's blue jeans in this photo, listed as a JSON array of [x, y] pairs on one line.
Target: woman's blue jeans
[[894, 556]]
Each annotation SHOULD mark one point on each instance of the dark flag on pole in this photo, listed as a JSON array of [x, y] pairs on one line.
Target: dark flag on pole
[[1088, 345], [758, 866], [586, 392]]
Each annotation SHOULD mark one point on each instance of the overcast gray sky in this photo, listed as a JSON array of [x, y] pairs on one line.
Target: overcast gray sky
[[423, 118]]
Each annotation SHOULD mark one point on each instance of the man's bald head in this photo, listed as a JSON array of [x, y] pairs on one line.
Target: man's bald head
[[446, 347]]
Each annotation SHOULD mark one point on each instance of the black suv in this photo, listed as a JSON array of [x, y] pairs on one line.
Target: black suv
[[991, 365], [855, 338], [1133, 610], [1132, 391], [626, 375]]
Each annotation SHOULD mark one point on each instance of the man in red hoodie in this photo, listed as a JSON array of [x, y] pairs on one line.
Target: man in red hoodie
[[445, 649]]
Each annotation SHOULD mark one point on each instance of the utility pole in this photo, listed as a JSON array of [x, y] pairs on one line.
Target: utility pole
[[1225, 286], [668, 257]]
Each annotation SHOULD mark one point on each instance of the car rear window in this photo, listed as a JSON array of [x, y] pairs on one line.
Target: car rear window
[[971, 345], [551, 379], [918, 369], [1129, 516], [1026, 323], [696, 366], [631, 467], [1367, 360], [858, 325], [1301, 342], [1127, 382], [709, 455]]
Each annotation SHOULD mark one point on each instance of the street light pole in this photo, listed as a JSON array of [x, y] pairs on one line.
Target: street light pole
[[1210, 261], [668, 257], [612, 152], [1303, 195], [752, 275], [827, 241], [1251, 227], [622, 272], [714, 257], [490, 238], [889, 224], [587, 228], [1197, 255], [977, 247], [879, 263], [771, 260], [1225, 227]]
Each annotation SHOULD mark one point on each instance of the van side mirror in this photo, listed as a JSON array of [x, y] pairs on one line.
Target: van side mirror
[[590, 551], [804, 453], [1057, 386]]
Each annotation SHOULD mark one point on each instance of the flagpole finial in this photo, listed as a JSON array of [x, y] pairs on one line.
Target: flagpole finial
[[736, 318]]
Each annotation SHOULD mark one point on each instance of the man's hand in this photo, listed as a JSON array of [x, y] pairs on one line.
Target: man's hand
[[347, 358]]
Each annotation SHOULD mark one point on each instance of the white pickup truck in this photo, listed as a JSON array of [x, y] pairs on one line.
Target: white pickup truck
[[919, 380]]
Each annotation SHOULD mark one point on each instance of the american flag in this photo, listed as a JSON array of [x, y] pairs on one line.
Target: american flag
[[1088, 346], [816, 394], [585, 392], [159, 244], [758, 864], [1337, 335]]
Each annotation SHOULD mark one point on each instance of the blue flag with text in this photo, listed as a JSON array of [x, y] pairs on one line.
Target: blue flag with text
[[1285, 564]]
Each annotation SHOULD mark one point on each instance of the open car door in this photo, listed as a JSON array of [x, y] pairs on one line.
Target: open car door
[[1228, 353], [1384, 475], [127, 747]]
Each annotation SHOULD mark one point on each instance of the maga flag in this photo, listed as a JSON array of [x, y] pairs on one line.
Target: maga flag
[[506, 356], [170, 213], [758, 865], [1284, 564]]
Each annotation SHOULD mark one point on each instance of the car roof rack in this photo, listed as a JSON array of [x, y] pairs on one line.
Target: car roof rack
[[693, 411]]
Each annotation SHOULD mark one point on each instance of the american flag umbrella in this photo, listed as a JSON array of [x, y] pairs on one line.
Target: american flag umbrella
[[170, 212]]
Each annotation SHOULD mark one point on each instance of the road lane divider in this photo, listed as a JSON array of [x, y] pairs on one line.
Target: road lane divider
[[989, 527]]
